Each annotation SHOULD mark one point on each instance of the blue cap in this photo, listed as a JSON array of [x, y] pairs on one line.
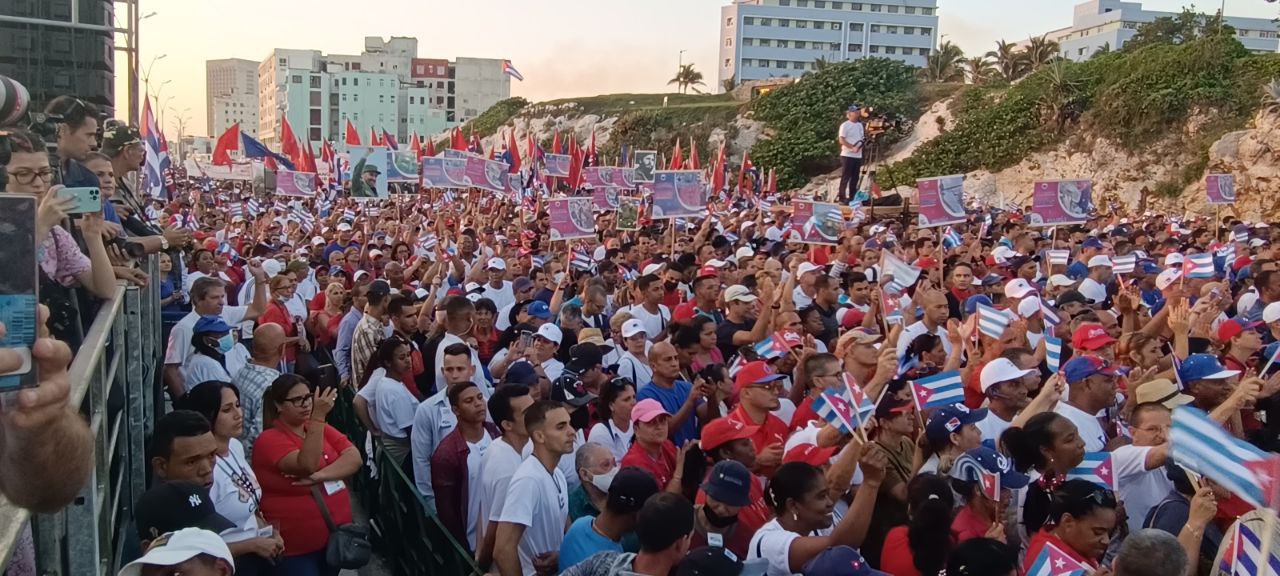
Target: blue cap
[[1149, 267], [950, 419], [970, 466], [521, 373], [1203, 367], [1091, 242], [992, 280], [1081, 367], [839, 560], [853, 108], [539, 309], [971, 303], [871, 244], [729, 483], [207, 324]]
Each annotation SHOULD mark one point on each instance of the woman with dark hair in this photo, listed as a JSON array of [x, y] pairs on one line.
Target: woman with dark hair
[[202, 264], [926, 351], [613, 407], [401, 252], [1049, 446], [1081, 517], [717, 375], [921, 547], [300, 459], [804, 526], [983, 557], [483, 331], [211, 340], [390, 405], [235, 492], [896, 428], [702, 333]]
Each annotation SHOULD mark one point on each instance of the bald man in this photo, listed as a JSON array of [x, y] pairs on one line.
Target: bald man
[[257, 375], [933, 321], [681, 399]]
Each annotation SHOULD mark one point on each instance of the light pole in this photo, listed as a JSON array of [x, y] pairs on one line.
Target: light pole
[[679, 69]]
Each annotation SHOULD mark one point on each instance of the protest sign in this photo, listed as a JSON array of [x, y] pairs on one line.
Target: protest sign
[[1061, 202], [817, 222], [290, 183], [403, 167], [646, 164], [678, 193], [490, 175], [557, 165], [369, 172], [609, 176], [571, 218], [941, 200], [1221, 188], [628, 213], [444, 172], [605, 198], [216, 172]]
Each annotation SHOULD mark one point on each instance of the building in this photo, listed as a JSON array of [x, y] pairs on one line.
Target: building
[[384, 88], [52, 56], [783, 38], [1108, 24], [231, 95]]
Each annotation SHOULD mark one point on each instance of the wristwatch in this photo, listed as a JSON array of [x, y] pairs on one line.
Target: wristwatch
[[164, 242]]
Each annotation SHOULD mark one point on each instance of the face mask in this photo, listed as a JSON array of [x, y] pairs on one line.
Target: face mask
[[225, 343], [670, 285], [718, 521], [602, 481]]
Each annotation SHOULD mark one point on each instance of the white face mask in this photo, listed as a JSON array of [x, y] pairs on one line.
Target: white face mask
[[602, 481]]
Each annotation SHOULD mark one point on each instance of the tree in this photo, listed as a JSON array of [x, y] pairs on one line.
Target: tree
[[1062, 100], [686, 77], [1185, 27], [1271, 98], [943, 64], [1039, 52], [978, 69], [820, 64], [729, 83], [1007, 61]]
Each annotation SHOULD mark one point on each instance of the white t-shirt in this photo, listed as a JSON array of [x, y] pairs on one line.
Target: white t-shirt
[[992, 427], [393, 407], [200, 368], [231, 498], [1087, 426], [801, 299], [501, 324], [191, 278], [653, 323], [539, 501], [502, 297], [1140, 489], [180, 337], [773, 542], [915, 330], [474, 459], [1092, 290], [478, 378], [631, 367], [617, 441], [852, 133], [496, 468]]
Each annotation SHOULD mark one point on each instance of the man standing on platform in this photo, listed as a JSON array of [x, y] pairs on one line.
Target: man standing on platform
[[851, 137]]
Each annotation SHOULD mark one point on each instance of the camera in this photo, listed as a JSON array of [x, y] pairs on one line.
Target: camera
[[132, 249], [877, 123]]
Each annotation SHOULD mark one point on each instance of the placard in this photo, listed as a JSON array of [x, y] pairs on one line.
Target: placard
[[1221, 188], [817, 222], [941, 200], [571, 218], [1061, 202], [609, 176], [557, 165], [290, 183], [678, 193], [369, 172], [628, 213], [490, 175], [404, 167], [444, 172], [646, 165], [605, 198]]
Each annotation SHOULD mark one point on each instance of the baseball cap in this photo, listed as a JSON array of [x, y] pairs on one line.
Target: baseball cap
[[723, 430], [180, 546], [521, 284], [810, 454], [210, 323], [1100, 260], [496, 264], [539, 309], [1029, 307], [569, 389], [176, 505], [1081, 367], [717, 561], [1002, 254], [550, 332], [1071, 296], [852, 108], [344, 227], [473, 287], [861, 335], [1271, 312], [1091, 242], [652, 269], [992, 279], [632, 327], [1204, 367], [1234, 327], [970, 466], [807, 267], [739, 293], [117, 136], [646, 410], [708, 271], [971, 303], [744, 252], [1174, 258], [1090, 336], [317, 241], [586, 355], [757, 372], [841, 560], [1000, 370], [521, 373], [729, 483], [375, 253], [630, 488], [594, 336], [1061, 280], [950, 419], [1162, 391]]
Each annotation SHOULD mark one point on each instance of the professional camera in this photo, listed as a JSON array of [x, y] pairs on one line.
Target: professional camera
[[14, 100], [877, 123]]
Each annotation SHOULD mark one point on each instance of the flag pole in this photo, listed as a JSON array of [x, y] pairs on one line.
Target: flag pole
[[1269, 528]]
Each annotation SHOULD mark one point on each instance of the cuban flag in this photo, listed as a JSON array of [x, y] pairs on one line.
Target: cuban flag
[[1059, 257], [938, 390], [349, 214], [950, 238], [225, 248], [863, 403], [581, 260], [990, 483], [991, 321], [835, 407], [1227, 252], [836, 218], [152, 166], [1240, 233], [1243, 553], [1054, 562], [254, 207], [904, 275], [1124, 264], [511, 71], [1053, 353], [428, 242], [235, 209], [771, 347], [628, 275], [1203, 446], [1198, 266], [892, 308], [1097, 468], [1050, 316], [188, 221], [538, 261]]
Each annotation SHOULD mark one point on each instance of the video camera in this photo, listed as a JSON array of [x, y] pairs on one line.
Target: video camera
[[877, 123]]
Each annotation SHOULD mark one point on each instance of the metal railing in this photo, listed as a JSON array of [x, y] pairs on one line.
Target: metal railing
[[114, 381]]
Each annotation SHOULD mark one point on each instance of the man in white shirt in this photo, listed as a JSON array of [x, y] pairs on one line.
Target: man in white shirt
[[208, 298], [1139, 467], [1092, 389], [1001, 382], [1094, 286], [498, 288], [651, 311], [934, 321], [459, 316], [851, 137], [536, 512], [434, 418], [804, 292], [506, 408]]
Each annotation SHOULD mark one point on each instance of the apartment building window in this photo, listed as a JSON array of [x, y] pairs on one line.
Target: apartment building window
[[834, 47], [837, 5], [855, 26], [1081, 51], [924, 51], [876, 8], [856, 6], [727, 62], [1244, 33], [890, 49], [819, 25], [798, 65], [891, 29], [802, 3], [909, 9], [355, 97], [927, 11], [801, 44], [893, 9], [926, 31], [763, 64], [784, 44], [315, 81], [780, 63], [802, 23], [284, 62], [855, 48], [819, 4], [766, 21], [748, 20], [381, 99], [875, 28], [909, 30], [355, 81], [784, 2], [766, 42], [728, 21], [315, 98], [836, 25], [748, 41], [295, 79], [875, 49], [784, 23], [728, 41], [1267, 34]]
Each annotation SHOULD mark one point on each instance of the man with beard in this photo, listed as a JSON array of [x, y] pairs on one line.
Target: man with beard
[[531, 529]]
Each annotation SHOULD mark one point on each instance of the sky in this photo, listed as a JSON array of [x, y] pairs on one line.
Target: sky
[[564, 48]]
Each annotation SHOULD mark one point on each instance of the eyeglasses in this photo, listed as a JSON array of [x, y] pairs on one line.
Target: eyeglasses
[[28, 177], [300, 401]]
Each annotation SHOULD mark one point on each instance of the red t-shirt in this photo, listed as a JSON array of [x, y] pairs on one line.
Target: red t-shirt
[[804, 414], [277, 314], [895, 557], [661, 468], [772, 431], [750, 518], [973, 396], [968, 525], [293, 508], [1044, 537]]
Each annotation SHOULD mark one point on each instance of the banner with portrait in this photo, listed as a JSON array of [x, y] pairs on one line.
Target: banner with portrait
[[557, 165], [678, 193], [444, 172], [941, 200], [628, 217], [609, 176], [571, 218], [817, 222], [1221, 188], [404, 167], [1061, 202], [605, 198], [299, 184], [369, 172]]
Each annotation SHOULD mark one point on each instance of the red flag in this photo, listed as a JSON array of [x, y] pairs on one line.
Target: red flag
[[575, 166], [389, 139], [457, 142], [431, 148], [415, 146], [717, 172], [492, 152], [529, 148], [289, 143], [773, 181], [307, 161], [744, 174], [677, 160], [555, 143], [875, 186], [352, 137], [476, 145], [374, 139], [693, 155], [228, 141], [592, 159], [514, 151]]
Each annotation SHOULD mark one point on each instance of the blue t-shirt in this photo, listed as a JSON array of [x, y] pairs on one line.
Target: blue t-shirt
[[1077, 270], [581, 541], [672, 399]]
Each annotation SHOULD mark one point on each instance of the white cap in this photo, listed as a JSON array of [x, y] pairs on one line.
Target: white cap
[[1002, 253], [317, 241], [473, 297], [1271, 313], [1260, 225], [717, 263], [1028, 307], [180, 546], [739, 293], [359, 274], [1100, 260], [1018, 288], [472, 287], [1256, 242], [550, 332], [1000, 370], [1061, 280], [375, 253], [496, 264], [1167, 278], [1174, 258], [631, 328], [421, 293], [343, 227], [272, 267], [744, 252], [807, 267], [651, 269]]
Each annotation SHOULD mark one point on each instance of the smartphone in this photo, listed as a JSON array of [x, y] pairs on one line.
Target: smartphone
[[88, 199], [526, 338], [18, 289]]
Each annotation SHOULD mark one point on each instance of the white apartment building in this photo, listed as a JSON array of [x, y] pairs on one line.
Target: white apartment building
[[231, 95], [782, 38], [1110, 23]]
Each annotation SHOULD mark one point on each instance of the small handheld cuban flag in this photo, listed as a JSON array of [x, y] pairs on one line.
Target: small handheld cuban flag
[[863, 404], [1053, 353], [373, 211], [904, 275], [581, 261], [1198, 266], [731, 237], [938, 390], [538, 261], [428, 242], [1227, 252], [1097, 468], [226, 249], [1124, 264], [280, 206], [950, 238], [188, 221], [835, 217], [254, 207], [1054, 562], [1240, 233], [892, 308], [628, 275], [1050, 315], [774, 346], [834, 407], [1204, 447], [235, 209], [991, 321], [1244, 554], [349, 214]]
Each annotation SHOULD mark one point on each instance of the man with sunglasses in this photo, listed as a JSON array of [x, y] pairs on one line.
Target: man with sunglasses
[[758, 386]]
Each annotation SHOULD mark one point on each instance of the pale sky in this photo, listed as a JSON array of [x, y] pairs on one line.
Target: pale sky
[[563, 48]]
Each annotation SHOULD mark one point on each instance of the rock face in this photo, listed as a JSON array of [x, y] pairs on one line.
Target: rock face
[[1252, 156]]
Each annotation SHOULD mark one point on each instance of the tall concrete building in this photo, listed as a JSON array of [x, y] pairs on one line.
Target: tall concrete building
[[60, 47], [384, 88], [1110, 23], [783, 38], [231, 95]]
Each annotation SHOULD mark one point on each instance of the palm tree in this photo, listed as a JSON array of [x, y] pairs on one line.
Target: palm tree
[[1007, 62], [686, 77], [1271, 98], [1040, 51], [729, 83], [978, 69], [1062, 98], [820, 64], [943, 64]]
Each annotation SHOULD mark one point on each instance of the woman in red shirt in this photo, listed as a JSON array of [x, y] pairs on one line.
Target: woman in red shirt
[[974, 477], [651, 451], [324, 322], [282, 287], [1081, 519], [921, 547], [297, 458]]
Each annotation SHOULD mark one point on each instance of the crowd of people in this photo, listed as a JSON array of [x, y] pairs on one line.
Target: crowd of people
[[659, 401]]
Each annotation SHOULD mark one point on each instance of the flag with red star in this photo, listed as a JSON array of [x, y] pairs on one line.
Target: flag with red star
[[1097, 468]]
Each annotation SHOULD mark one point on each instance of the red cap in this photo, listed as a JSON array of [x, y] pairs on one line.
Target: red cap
[[721, 431], [926, 262], [1090, 336], [709, 272], [792, 338], [757, 372], [1234, 327], [1241, 263], [684, 311], [810, 454]]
